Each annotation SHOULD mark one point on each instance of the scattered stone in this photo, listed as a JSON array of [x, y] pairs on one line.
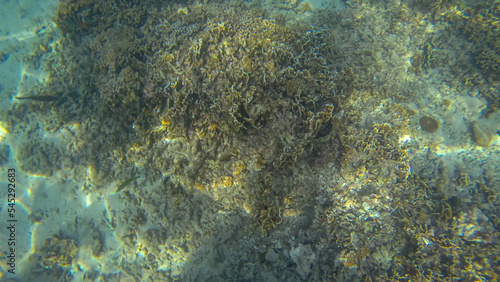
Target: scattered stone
[[271, 255], [482, 134], [303, 256], [429, 124]]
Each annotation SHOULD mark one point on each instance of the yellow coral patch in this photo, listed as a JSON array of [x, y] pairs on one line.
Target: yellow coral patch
[[183, 10], [199, 186], [247, 64], [226, 181], [212, 127], [239, 167], [201, 133]]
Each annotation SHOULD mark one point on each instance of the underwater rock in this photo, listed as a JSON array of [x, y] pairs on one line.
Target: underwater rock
[[303, 256], [429, 124], [481, 134], [271, 255]]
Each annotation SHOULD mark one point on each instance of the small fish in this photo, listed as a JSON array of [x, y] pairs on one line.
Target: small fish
[[42, 98], [126, 182]]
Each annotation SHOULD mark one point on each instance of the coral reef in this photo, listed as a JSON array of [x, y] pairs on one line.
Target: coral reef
[[57, 252], [479, 23], [268, 149]]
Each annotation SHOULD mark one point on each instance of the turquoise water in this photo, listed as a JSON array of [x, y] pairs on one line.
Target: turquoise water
[[249, 141]]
